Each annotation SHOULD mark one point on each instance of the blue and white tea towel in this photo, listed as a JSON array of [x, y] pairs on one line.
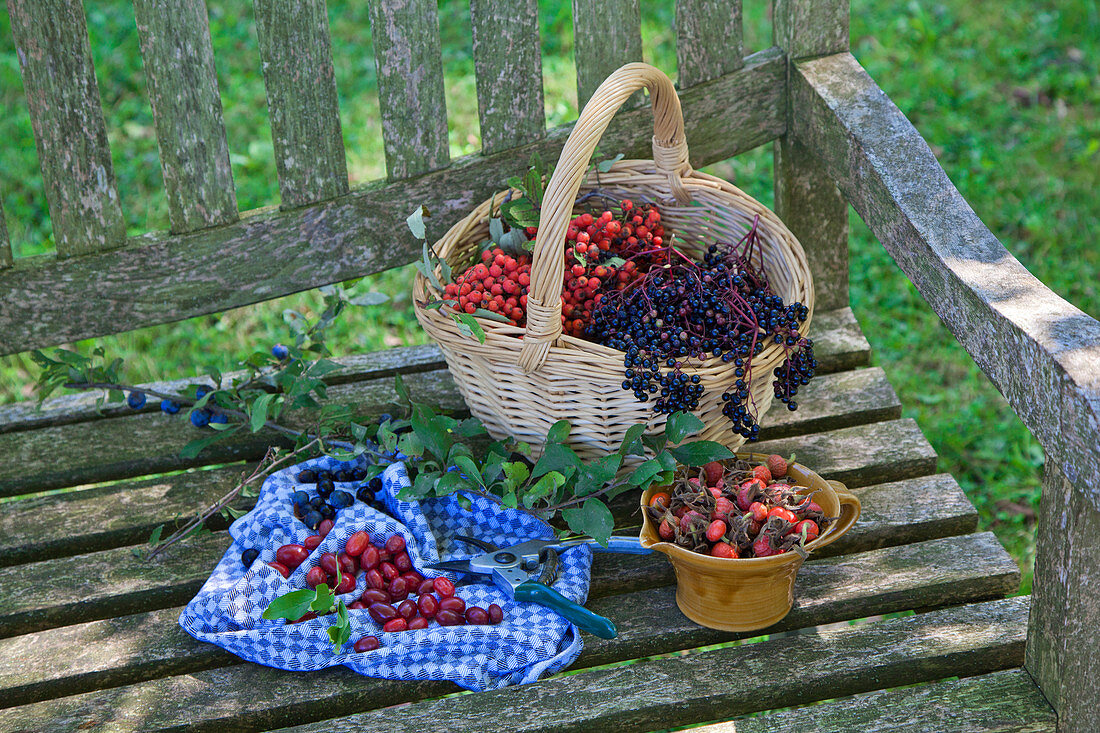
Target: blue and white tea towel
[[531, 641]]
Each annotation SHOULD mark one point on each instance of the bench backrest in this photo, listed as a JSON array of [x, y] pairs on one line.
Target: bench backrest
[[101, 281]]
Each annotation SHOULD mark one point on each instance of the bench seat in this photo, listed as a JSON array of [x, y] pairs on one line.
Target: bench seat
[[90, 638]]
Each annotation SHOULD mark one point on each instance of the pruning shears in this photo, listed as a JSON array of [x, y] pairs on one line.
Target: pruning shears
[[510, 569]]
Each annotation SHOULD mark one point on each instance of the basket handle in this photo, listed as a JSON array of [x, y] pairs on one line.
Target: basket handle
[[670, 156]]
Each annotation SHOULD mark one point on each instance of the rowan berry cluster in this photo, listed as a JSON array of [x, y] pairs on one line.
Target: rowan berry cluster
[[498, 283]]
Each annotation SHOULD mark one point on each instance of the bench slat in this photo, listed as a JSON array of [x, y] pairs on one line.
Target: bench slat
[[296, 51], [120, 651], [1001, 702], [187, 110], [125, 583], [51, 38], [508, 67], [156, 440], [5, 244], [698, 687], [41, 300], [410, 88], [708, 40], [606, 35]]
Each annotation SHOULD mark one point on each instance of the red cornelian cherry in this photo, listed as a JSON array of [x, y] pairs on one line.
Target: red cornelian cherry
[[443, 587], [357, 543], [367, 644]]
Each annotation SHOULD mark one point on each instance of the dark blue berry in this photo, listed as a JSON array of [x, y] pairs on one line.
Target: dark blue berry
[[358, 474], [280, 352], [316, 502], [324, 475], [299, 498], [219, 418], [385, 417], [201, 392], [249, 556], [327, 511], [307, 476], [199, 418], [313, 519], [135, 400], [375, 484], [341, 499], [168, 407], [364, 494], [325, 487], [342, 476]]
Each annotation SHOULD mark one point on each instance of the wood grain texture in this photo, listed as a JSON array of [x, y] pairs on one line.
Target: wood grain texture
[[839, 343], [98, 450], [1000, 702], [811, 27], [51, 39], [1041, 352], [151, 645], [160, 278], [606, 35], [5, 244], [697, 687], [407, 55], [815, 211], [508, 68], [708, 40], [296, 51], [187, 111], [1065, 612]]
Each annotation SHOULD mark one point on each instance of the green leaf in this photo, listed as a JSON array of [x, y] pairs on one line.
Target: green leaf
[[468, 467], [557, 457], [427, 268], [595, 474], [291, 606], [340, 632], [682, 424], [449, 483], [516, 472], [632, 442], [258, 413], [411, 445], [483, 313], [368, 299], [700, 452], [558, 432], [324, 598], [435, 437], [592, 518], [154, 537], [215, 375], [471, 427], [198, 445], [655, 443], [542, 488], [415, 221], [469, 326], [401, 390], [605, 165], [645, 472]]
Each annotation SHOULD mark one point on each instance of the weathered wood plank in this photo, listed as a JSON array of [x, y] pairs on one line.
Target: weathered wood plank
[[815, 211], [301, 94], [811, 27], [1066, 610], [125, 650], [92, 453], [606, 35], [708, 40], [1000, 702], [508, 67], [160, 278], [839, 345], [5, 244], [1041, 352], [187, 111], [407, 55], [51, 38], [697, 687]]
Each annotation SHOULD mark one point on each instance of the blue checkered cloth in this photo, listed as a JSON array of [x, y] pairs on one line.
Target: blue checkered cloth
[[530, 642]]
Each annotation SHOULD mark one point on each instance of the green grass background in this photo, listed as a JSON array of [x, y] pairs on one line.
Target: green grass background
[[1008, 99]]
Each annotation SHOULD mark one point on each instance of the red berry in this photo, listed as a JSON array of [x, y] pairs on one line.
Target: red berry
[[407, 609], [426, 586], [398, 589], [395, 544], [449, 618], [413, 579], [356, 606], [328, 563], [496, 613], [310, 615], [369, 558], [713, 472], [666, 531], [346, 585], [443, 587], [316, 576], [715, 530], [389, 571], [418, 622], [660, 500], [809, 527], [428, 605], [723, 507], [402, 562], [291, 556], [396, 624], [283, 570], [374, 595], [723, 549], [762, 473], [325, 527], [477, 616], [381, 612], [759, 511], [367, 644], [452, 603], [311, 542], [348, 564], [777, 465], [783, 513], [375, 579], [357, 543]]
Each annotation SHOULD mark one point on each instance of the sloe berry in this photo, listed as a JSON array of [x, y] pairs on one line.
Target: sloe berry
[[280, 352], [325, 487], [341, 499], [313, 519], [307, 476], [327, 512], [299, 498], [249, 556], [364, 494], [135, 400], [168, 407], [199, 418]]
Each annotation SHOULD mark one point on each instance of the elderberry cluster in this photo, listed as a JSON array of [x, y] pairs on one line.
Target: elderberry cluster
[[722, 307]]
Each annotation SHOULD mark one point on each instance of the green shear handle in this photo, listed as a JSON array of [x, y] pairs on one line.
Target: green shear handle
[[532, 592]]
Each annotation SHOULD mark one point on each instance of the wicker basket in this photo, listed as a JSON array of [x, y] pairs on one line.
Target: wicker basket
[[522, 380]]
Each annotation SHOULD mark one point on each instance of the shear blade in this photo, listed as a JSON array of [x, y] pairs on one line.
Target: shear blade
[[454, 566]]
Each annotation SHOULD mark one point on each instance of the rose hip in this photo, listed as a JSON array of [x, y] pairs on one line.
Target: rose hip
[[367, 644], [759, 511], [715, 530], [443, 587], [496, 613], [381, 612], [427, 604], [369, 558], [666, 531], [407, 609], [403, 562], [357, 543], [449, 618], [418, 622], [283, 570], [374, 579], [389, 570], [311, 542], [722, 549], [477, 616], [396, 624], [395, 544], [374, 595], [291, 556], [453, 604], [398, 589]]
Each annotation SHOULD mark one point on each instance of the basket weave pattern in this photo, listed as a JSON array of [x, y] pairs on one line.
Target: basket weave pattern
[[522, 380]]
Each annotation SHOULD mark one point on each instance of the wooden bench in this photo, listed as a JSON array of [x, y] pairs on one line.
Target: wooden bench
[[89, 633]]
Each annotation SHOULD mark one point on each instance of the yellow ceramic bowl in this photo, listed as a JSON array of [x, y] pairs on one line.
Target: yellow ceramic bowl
[[751, 593]]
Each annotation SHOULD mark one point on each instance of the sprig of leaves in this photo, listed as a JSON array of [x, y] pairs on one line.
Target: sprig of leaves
[[322, 601]]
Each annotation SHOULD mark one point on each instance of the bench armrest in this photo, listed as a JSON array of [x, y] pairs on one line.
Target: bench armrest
[[1040, 351]]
